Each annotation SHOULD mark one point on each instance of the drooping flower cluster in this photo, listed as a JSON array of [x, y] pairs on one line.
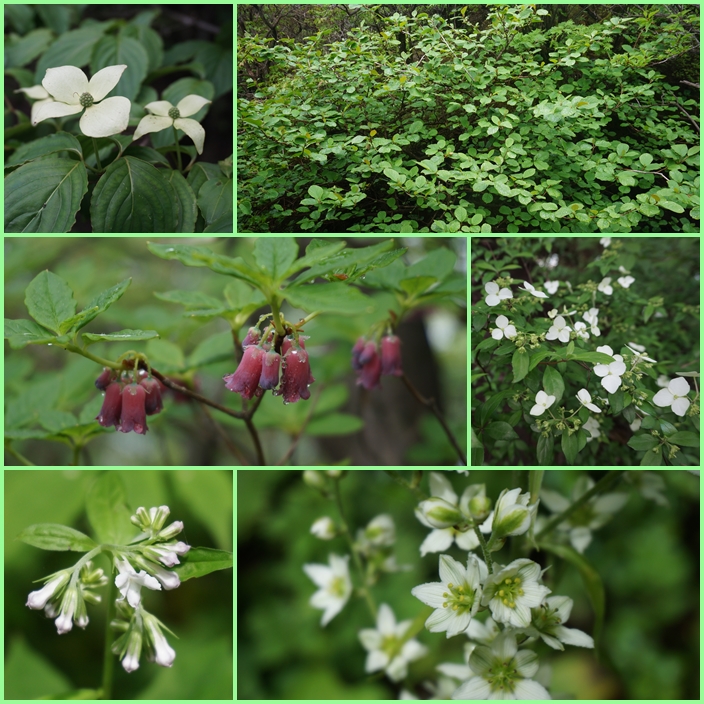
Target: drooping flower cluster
[[370, 365], [262, 367], [66, 592], [129, 399]]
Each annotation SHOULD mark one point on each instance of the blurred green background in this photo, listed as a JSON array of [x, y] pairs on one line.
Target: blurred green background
[[40, 380], [39, 662], [647, 556]]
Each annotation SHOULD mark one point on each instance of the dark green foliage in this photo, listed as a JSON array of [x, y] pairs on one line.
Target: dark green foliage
[[516, 124]]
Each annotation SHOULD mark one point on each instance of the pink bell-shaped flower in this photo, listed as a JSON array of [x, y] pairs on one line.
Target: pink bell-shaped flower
[[153, 403], [357, 352], [296, 376], [391, 355], [112, 406], [370, 372], [133, 416], [270, 370], [245, 379]]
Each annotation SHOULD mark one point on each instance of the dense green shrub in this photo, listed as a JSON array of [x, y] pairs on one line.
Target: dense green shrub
[[511, 127]]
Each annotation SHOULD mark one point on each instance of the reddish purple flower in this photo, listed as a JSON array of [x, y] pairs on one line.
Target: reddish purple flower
[[133, 415], [104, 379], [270, 370], [245, 379], [296, 376], [251, 338], [112, 406], [153, 403], [370, 373], [391, 356], [357, 352]]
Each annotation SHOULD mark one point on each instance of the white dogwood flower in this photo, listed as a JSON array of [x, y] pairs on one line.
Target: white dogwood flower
[[580, 329], [559, 330], [495, 296], [165, 115], [625, 281], [503, 329], [552, 286], [592, 318], [542, 403], [335, 586], [675, 396], [611, 373], [531, 289], [605, 286], [586, 400], [592, 427], [72, 92]]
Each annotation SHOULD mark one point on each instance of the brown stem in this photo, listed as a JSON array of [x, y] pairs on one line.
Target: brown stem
[[299, 434], [430, 403]]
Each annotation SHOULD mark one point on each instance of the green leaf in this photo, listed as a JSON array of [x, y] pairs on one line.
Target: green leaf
[[275, 255], [166, 355], [26, 49], [546, 450], [198, 562], [26, 332], [671, 205], [49, 300], [120, 336], [333, 424], [616, 401], [115, 50], [647, 312], [107, 512], [570, 349], [98, 305], [186, 212], [215, 199], [477, 451], [643, 441], [202, 256], [685, 438], [461, 213], [192, 300], [537, 357], [316, 251], [519, 362], [44, 195], [52, 143], [646, 159], [336, 297], [651, 459], [500, 430], [553, 383], [487, 409], [72, 48], [53, 536], [417, 285], [438, 264], [570, 446], [593, 357], [133, 196]]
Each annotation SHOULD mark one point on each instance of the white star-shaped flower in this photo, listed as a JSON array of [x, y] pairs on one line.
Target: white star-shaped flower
[[542, 403], [495, 296], [130, 583], [335, 586], [531, 289], [165, 115], [503, 329], [585, 399], [559, 330], [72, 92], [675, 396]]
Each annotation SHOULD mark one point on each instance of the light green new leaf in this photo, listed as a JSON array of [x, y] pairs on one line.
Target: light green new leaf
[[198, 562], [332, 424], [54, 536], [274, 255], [107, 512], [98, 305], [44, 195], [133, 196], [26, 332], [119, 336], [316, 251], [336, 297], [49, 300]]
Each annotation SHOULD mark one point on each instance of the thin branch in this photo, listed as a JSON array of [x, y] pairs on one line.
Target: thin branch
[[430, 403], [299, 434]]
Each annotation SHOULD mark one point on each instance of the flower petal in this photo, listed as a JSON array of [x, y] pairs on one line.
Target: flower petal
[[680, 406], [48, 108], [191, 104], [611, 383], [194, 130], [104, 81], [106, 118], [679, 386], [159, 107], [66, 84], [151, 123]]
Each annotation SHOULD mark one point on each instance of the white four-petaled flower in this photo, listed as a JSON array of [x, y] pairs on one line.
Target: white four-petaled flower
[[625, 281], [605, 286], [586, 400], [72, 92], [611, 373], [542, 403], [495, 296], [559, 330], [531, 289], [675, 396], [503, 329]]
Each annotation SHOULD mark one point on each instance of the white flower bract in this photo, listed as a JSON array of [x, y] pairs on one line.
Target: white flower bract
[[503, 329], [675, 396], [531, 289], [542, 403], [495, 296], [559, 330], [586, 400]]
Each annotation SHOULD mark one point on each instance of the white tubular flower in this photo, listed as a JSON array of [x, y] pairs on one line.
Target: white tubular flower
[[165, 115], [324, 528], [495, 296], [547, 624], [542, 403], [552, 286], [159, 651], [134, 649], [167, 553], [501, 671], [335, 586], [511, 515], [72, 92], [585, 399], [625, 281], [605, 286], [438, 513], [69, 603], [381, 531], [675, 396], [387, 646], [456, 597], [513, 592], [531, 289], [39, 598], [559, 330], [503, 329], [130, 583]]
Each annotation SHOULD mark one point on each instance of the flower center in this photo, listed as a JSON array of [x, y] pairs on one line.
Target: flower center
[[337, 587], [458, 598], [174, 113], [502, 676], [510, 591], [86, 100]]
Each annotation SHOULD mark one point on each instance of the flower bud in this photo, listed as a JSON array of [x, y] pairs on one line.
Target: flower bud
[[314, 479], [511, 514], [251, 338], [245, 379], [153, 403], [104, 379], [438, 513], [324, 528], [475, 503]]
